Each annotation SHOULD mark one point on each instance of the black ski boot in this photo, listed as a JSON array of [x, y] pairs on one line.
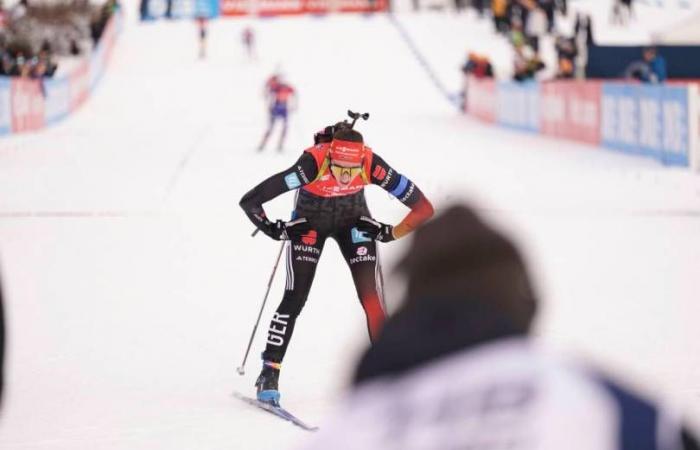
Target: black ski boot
[[266, 384]]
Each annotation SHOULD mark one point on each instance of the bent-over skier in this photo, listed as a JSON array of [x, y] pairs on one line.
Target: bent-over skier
[[330, 178]]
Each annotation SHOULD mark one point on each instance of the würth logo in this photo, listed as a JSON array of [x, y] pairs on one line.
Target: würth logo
[[379, 173], [310, 237]]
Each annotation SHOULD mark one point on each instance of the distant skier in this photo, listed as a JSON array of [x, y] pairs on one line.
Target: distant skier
[[248, 39], [330, 178], [202, 27], [281, 98]]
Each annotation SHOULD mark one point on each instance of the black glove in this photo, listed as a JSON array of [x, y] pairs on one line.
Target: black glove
[[375, 230], [284, 231]]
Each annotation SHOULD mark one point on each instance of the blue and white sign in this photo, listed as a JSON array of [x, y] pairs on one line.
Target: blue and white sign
[[519, 105], [675, 126], [179, 9], [646, 120], [5, 102]]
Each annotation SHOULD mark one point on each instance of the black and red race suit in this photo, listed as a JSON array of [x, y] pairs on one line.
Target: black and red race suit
[[332, 211]]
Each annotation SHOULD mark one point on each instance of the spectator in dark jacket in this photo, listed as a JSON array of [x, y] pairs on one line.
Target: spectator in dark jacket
[[455, 368], [651, 69], [657, 65]]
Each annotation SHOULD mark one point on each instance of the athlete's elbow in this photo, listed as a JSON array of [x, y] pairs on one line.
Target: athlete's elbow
[[247, 202], [426, 209]]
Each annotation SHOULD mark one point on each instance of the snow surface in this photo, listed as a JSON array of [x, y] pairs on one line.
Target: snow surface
[[132, 282]]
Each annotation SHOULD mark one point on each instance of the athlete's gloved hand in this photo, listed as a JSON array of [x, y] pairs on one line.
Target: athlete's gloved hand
[[375, 230], [284, 231]]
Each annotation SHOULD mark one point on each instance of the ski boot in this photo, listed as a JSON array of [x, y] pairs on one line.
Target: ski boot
[[266, 384]]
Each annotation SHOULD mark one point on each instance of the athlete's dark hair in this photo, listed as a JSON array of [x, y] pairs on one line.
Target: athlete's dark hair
[[348, 134]]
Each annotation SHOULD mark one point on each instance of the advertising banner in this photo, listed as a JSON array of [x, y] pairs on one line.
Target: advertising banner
[[27, 105], [292, 7], [571, 110], [518, 105], [57, 102], [675, 126], [5, 102], [695, 126], [647, 120], [178, 9], [480, 98]]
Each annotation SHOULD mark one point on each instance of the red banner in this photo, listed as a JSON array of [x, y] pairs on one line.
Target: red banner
[[571, 110], [481, 98], [293, 7], [27, 105]]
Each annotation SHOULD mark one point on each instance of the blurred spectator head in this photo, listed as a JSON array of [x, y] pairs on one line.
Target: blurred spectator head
[[467, 285], [565, 68], [454, 367], [458, 259], [649, 53]]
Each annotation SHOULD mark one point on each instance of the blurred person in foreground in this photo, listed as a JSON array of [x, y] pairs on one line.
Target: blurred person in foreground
[[330, 179], [455, 368]]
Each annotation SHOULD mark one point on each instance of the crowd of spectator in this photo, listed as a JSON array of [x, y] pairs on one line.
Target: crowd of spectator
[[33, 37], [622, 12], [19, 61], [524, 23]]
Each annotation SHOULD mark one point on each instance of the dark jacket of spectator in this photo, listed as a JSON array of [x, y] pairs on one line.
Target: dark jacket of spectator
[[454, 367], [651, 69]]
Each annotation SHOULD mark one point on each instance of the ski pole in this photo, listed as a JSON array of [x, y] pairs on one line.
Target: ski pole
[[241, 368]]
